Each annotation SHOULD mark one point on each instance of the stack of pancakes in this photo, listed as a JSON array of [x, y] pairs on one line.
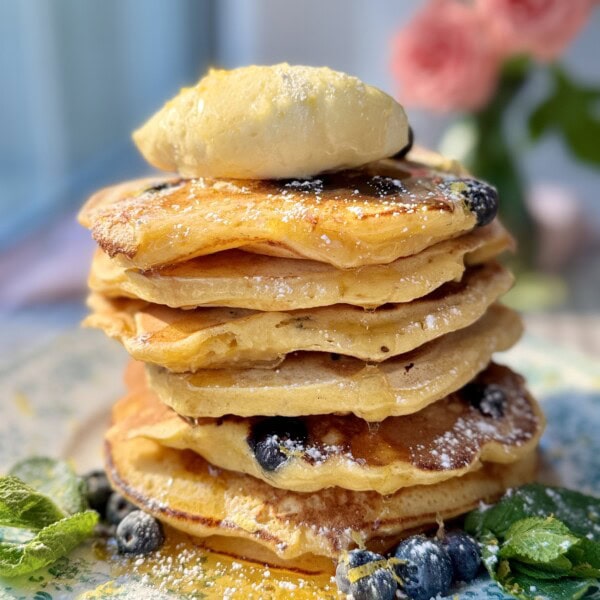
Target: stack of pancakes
[[312, 356], [316, 376]]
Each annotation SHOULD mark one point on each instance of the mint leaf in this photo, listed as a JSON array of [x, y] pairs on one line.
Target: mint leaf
[[529, 588], [43, 515], [490, 548], [559, 568], [497, 519], [585, 571], [586, 551], [538, 540], [22, 506], [50, 543], [580, 513], [541, 542], [56, 480], [585, 557]]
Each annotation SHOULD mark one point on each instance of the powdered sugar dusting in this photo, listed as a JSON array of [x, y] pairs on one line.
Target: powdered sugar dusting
[[183, 568], [456, 448], [243, 211], [446, 435]]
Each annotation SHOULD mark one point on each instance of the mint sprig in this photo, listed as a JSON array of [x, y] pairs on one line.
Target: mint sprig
[[541, 542], [23, 507], [36, 529], [48, 545], [536, 540], [54, 478]]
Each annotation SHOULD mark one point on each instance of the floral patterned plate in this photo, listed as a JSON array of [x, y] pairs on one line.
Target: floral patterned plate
[[56, 400]]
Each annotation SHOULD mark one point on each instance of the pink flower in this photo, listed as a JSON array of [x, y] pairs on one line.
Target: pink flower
[[444, 60], [539, 27]]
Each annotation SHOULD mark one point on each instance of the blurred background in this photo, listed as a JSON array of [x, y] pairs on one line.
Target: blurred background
[[77, 78]]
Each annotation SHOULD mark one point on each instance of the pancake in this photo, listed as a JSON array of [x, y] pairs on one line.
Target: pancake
[[242, 280], [216, 337], [319, 383], [365, 216], [445, 440], [180, 488]]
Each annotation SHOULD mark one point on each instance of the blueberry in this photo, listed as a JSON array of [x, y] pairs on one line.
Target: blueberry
[[489, 398], [139, 533], [465, 555], [117, 508], [98, 491], [373, 582], [272, 440], [404, 151], [481, 198], [427, 570]]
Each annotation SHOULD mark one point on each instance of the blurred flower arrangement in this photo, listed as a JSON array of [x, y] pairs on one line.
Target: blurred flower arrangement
[[473, 57]]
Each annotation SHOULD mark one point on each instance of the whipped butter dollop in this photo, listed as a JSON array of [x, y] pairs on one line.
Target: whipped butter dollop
[[280, 121]]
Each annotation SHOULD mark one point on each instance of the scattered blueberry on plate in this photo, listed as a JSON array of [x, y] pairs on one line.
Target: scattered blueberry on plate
[[98, 491], [117, 508], [464, 553], [426, 568], [139, 533], [365, 576]]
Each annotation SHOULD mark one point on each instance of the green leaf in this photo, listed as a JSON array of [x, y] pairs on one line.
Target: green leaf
[[56, 480], [580, 513], [585, 557], [586, 551], [539, 540], [574, 111], [555, 570], [50, 543], [22, 506], [525, 587], [43, 515], [541, 543]]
